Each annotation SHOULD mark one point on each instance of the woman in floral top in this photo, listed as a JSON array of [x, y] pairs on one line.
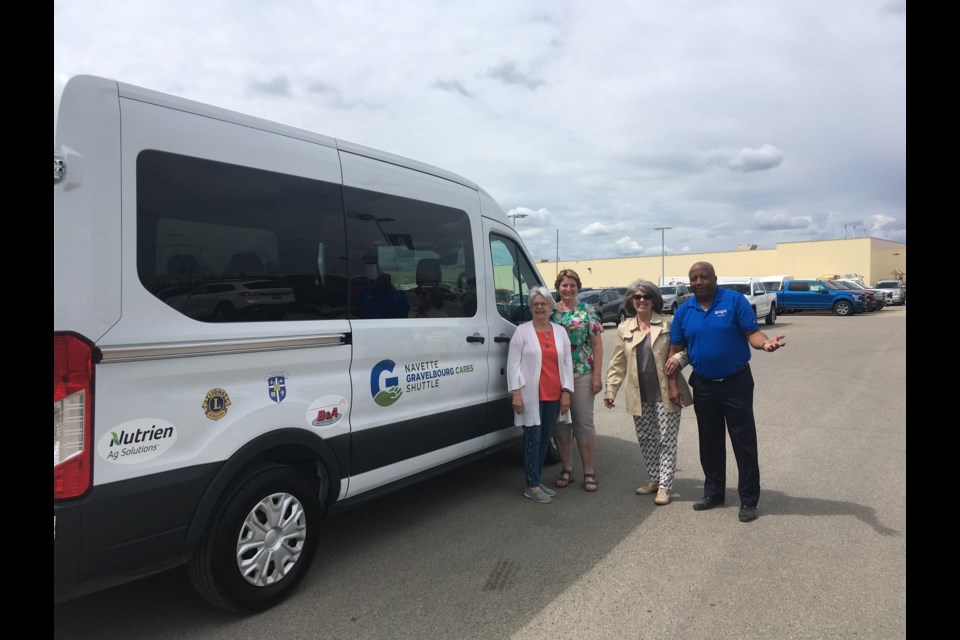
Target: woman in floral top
[[584, 328]]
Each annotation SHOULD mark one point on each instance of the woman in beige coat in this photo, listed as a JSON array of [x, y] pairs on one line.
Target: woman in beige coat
[[639, 353]]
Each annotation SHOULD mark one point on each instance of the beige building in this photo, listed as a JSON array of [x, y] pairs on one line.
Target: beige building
[[871, 259]]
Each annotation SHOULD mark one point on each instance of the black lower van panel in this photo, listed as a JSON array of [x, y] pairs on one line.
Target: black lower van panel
[[374, 448], [128, 529], [123, 530]]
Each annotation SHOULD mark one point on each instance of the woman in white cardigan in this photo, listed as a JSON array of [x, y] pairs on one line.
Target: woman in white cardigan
[[540, 379]]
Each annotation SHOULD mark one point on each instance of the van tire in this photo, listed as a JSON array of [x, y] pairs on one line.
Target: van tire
[[266, 494], [772, 316]]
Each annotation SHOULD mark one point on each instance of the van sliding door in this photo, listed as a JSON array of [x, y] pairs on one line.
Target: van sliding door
[[420, 346]]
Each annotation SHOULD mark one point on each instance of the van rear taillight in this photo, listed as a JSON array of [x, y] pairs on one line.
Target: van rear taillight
[[72, 415]]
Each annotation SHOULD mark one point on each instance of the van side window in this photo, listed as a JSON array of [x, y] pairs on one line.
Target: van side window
[[512, 279], [225, 243], [408, 258]]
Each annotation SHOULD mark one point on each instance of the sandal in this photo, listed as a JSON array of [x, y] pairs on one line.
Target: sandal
[[566, 477], [590, 482]]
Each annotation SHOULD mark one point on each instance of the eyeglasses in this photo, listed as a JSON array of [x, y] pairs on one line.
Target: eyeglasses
[[643, 296], [540, 304]]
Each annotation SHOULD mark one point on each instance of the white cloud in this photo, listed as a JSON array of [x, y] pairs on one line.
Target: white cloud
[[604, 228], [527, 217], [726, 124], [746, 160], [769, 221], [626, 246]]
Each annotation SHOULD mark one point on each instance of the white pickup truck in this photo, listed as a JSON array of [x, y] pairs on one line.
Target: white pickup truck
[[764, 302]]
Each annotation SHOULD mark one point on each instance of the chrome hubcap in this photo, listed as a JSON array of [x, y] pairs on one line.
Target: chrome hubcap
[[271, 539]]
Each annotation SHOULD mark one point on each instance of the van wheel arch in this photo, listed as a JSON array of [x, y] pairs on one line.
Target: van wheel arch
[[302, 450], [261, 541]]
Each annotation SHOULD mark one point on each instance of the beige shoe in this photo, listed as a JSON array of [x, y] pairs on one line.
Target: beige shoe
[[647, 489], [663, 496]]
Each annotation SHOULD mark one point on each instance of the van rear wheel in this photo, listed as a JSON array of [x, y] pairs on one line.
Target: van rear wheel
[[260, 542]]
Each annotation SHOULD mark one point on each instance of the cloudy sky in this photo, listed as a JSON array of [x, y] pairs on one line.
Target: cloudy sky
[[730, 121]]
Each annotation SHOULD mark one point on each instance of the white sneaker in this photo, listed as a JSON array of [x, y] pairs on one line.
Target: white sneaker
[[547, 490], [539, 496]]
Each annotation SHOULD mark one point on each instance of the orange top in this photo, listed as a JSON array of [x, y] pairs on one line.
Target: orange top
[[549, 367]]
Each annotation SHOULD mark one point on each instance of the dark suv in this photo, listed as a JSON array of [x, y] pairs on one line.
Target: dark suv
[[607, 302]]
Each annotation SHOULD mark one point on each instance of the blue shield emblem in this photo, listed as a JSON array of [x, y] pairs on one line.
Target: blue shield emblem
[[277, 386]]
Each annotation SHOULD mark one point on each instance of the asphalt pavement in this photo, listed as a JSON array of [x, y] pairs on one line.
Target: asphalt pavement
[[465, 555]]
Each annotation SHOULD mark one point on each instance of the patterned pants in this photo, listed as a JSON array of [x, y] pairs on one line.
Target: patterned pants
[[657, 433]]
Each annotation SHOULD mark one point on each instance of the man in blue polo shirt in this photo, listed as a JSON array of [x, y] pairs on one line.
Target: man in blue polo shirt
[[717, 327]]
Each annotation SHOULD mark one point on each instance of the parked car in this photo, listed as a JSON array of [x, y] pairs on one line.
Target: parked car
[[819, 295], [869, 297], [607, 302], [225, 300], [763, 302], [895, 290], [880, 298], [674, 295]]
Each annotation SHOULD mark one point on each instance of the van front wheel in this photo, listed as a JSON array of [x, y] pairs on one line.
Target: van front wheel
[[260, 542]]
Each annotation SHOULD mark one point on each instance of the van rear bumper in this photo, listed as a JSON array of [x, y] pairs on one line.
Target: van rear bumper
[[125, 530]]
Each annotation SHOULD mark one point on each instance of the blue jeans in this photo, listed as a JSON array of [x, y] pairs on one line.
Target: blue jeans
[[536, 439]]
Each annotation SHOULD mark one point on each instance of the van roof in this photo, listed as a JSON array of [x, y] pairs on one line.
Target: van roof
[[159, 98]]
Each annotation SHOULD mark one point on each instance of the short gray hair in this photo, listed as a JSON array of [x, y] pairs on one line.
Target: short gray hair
[[646, 287], [543, 292]]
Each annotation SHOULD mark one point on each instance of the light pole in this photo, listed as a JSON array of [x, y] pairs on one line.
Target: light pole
[[663, 249], [515, 215], [557, 263]]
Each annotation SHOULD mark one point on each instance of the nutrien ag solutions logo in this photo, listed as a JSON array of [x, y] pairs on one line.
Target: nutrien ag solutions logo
[[384, 384], [137, 441]]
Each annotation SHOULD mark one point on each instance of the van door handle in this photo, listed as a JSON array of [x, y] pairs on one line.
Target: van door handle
[[476, 338], [502, 338]]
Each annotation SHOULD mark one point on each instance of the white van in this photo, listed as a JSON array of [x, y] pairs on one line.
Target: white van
[[774, 283], [254, 324]]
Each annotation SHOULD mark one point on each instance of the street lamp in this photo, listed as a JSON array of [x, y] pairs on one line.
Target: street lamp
[[663, 249], [515, 215]]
